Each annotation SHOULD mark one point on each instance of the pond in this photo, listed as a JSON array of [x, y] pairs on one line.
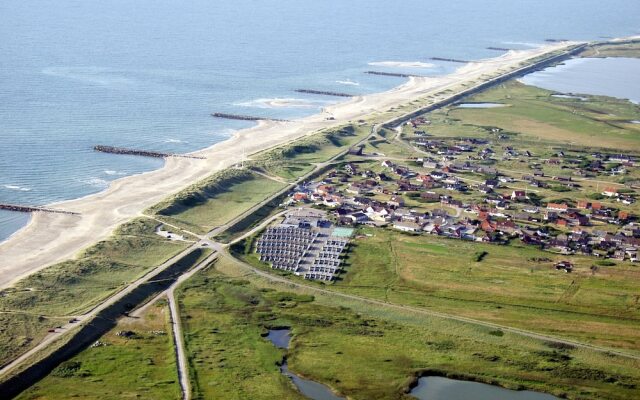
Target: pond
[[440, 388], [481, 105], [313, 390], [569, 96], [280, 337], [428, 388]]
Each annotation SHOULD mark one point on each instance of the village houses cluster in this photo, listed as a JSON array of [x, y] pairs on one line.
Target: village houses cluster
[[497, 207]]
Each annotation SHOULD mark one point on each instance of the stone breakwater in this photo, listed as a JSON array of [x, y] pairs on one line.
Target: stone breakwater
[[398, 75], [28, 209], [245, 117], [135, 152], [322, 92]]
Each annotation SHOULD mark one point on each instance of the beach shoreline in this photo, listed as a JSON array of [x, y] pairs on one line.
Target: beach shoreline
[[51, 238]]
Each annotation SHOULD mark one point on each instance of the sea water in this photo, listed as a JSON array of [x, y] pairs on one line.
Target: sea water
[[147, 73]]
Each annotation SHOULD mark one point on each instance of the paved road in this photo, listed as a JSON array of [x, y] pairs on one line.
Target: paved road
[[176, 324]]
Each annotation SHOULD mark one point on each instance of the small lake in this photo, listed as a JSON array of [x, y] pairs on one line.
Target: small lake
[[312, 390], [440, 388], [614, 77], [481, 105], [568, 96], [280, 337]]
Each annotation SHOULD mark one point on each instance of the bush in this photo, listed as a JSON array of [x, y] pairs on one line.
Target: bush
[[560, 188], [67, 369], [479, 256]]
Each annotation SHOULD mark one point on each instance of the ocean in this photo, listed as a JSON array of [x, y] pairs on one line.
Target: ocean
[[147, 74]]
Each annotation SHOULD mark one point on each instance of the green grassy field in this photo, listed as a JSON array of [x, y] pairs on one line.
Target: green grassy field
[[217, 200], [46, 298], [333, 339], [141, 367], [507, 287], [614, 50], [226, 312], [535, 115]]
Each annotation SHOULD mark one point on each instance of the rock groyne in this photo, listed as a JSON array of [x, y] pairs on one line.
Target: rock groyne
[[28, 209], [322, 92], [136, 152], [245, 117]]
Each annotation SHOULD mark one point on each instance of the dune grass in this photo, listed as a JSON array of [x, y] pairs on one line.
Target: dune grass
[[217, 200], [297, 158], [47, 298]]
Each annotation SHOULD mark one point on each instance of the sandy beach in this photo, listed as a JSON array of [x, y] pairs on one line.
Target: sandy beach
[[51, 238]]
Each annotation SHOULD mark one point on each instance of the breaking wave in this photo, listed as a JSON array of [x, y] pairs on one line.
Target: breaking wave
[[348, 82], [170, 140], [17, 188], [402, 64], [282, 103], [114, 173], [95, 182], [91, 75], [527, 44]]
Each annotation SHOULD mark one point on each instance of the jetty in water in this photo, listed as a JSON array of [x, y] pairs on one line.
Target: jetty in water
[[397, 75], [143, 153], [322, 92], [449, 60], [28, 209], [246, 117]]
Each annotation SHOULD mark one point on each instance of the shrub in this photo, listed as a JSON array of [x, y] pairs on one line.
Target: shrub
[[67, 369], [479, 256]]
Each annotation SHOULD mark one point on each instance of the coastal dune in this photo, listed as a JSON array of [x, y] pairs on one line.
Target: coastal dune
[[51, 238]]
